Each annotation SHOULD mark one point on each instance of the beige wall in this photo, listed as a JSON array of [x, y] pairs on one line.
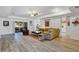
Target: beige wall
[[73, 30], [6, 29], [11, 28]]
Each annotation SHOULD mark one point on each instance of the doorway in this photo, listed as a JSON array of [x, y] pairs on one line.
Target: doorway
[[21, 27]]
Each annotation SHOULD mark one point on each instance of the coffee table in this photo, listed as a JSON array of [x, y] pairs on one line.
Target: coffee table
[[37, 33]]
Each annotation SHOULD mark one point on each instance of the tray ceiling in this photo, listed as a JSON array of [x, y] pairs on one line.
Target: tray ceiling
[[26, 11]]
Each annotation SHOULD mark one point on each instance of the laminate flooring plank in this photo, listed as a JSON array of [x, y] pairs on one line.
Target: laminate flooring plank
[[30, 44]]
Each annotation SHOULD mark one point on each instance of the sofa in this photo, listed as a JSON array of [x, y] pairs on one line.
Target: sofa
[[55, 31]]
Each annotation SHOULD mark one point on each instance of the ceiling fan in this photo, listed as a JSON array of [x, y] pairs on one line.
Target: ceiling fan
[[33, 13]]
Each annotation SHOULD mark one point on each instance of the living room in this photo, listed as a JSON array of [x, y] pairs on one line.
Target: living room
[[42, 28]]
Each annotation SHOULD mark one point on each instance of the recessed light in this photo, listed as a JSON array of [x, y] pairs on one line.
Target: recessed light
[[55, 10]]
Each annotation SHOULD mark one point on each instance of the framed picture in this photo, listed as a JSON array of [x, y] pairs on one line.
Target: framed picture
[[68, 20], [68, 23], [5, 23], [46, 23]]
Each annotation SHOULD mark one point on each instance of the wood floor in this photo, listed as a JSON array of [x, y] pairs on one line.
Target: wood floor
[[29, 44]]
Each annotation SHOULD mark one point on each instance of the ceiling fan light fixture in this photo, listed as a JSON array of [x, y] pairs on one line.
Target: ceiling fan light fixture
[[33, 13]]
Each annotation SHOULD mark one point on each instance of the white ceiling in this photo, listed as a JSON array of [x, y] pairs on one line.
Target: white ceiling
[[22, 11]]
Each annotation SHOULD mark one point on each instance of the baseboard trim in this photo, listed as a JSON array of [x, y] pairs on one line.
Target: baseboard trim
[[75, 38]]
